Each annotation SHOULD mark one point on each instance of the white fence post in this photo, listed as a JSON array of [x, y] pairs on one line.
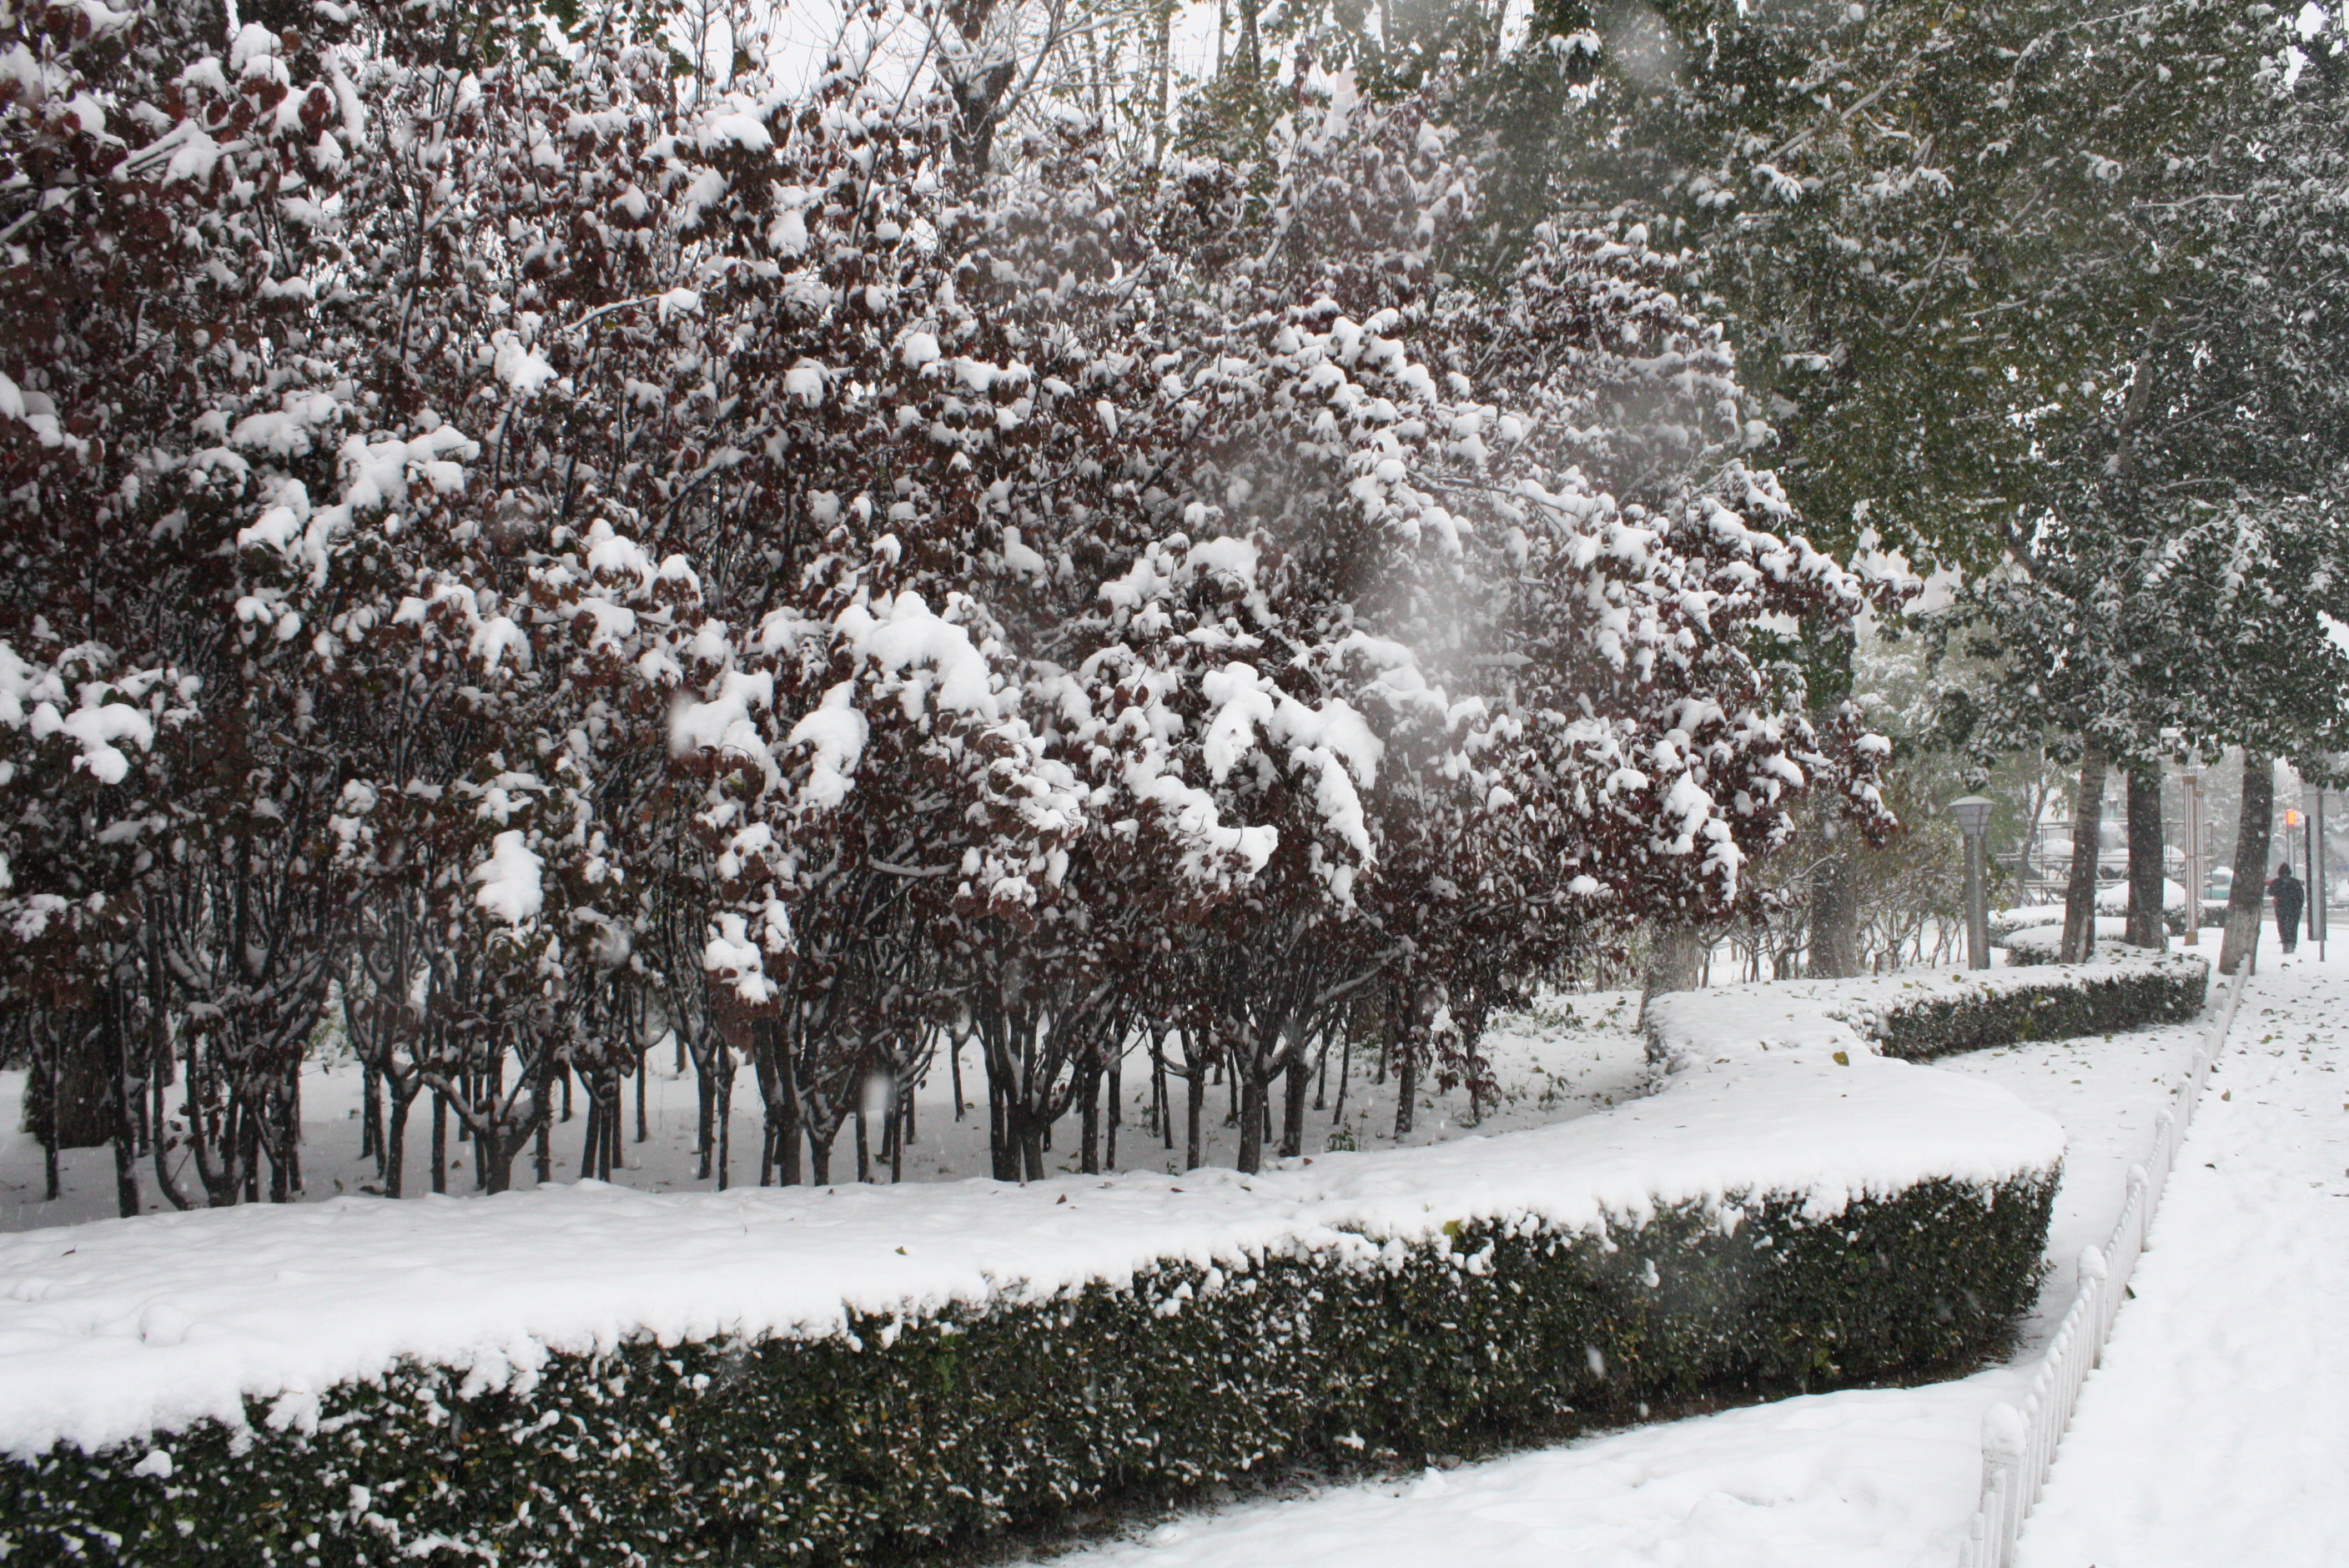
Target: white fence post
[[2019, 1445]]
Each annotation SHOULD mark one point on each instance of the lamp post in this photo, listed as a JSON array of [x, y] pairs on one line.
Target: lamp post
[[1973, 813]]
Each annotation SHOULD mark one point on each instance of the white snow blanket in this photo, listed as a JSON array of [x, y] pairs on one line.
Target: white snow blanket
[[114, 1330], [2214, 1428], [1811, 1019]]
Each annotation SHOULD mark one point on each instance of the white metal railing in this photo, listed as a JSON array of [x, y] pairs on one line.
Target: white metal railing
[[2019, 1445]]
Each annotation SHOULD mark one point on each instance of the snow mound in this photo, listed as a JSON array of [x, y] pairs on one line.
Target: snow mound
[[118, 1329]]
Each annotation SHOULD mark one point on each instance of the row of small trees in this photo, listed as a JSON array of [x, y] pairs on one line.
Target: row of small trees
[[545, 564]]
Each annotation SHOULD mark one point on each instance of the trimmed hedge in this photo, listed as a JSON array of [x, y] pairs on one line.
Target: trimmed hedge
[[906, 1439], [2070, 1000], [1938, 1013]]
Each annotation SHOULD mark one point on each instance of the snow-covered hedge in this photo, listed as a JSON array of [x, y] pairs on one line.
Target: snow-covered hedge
[[2039, 944], [2023, 917], [590, 1376], [1920, 1015]]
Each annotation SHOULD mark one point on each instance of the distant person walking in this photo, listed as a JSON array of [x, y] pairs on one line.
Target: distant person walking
[[2289, 895]]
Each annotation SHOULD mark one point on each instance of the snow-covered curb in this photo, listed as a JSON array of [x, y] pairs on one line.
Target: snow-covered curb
[[119, 1329], [1814, 1019]]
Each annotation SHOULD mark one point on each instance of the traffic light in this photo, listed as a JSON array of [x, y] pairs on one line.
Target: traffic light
[[2293, 818]]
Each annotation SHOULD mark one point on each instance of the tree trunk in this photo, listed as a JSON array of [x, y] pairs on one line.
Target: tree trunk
[[725, 1123], [1195, 1094], [1249, 1080], [371, 1116], [1835, 919], [1676, 955], [1403, 1045], [705, 1126], [395, 1142], [1088, 1122], [1116, 1101], [440, 1141], [1031, 1131], [2250, 887], [1292, 1110], [2145, 925], [2087, 842]]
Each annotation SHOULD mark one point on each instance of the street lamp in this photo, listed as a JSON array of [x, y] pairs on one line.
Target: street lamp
[[1973, 813]]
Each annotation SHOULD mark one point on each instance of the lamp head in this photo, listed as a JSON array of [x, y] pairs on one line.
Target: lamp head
[[1973, 813]]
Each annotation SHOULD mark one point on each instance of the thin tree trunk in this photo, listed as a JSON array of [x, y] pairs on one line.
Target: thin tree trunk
[[725, 1124], [440, 1141], [126, 1138], [1088, 1122], [1345, 1069], [2145, 925], [371, 1116], [2249, 886], [1195, 1093], [1116, 1101], [705, 1126], [1162, 1104], [2087, 842]]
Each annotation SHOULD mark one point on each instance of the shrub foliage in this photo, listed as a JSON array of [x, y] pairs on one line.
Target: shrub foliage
[[903, 1440], [2066, 1004]]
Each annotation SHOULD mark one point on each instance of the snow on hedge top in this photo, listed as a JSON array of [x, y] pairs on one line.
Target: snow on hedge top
[[1809, 1020], [2035, 940], [118, 1329]]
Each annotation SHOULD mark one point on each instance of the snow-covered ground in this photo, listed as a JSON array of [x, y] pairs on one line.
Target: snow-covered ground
[[2216, 1429], [1571, 1055], [2212, 1435], [118, 1329], [1860, 1479]]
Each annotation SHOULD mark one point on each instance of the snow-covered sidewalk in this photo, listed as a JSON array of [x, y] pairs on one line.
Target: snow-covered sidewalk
[[2216, 1429], [1860, 1479]]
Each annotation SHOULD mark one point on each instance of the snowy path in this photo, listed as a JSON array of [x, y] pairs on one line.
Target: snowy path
[[2216, 1430], [1861, 1478]]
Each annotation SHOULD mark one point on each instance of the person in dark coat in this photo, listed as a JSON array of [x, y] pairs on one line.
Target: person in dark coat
[[2289, 895]]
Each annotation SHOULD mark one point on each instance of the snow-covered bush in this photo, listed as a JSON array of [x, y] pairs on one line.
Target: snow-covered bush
[[733, 566]]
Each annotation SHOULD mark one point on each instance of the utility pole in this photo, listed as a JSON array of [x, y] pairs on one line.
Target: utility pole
[[2316, 875]]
